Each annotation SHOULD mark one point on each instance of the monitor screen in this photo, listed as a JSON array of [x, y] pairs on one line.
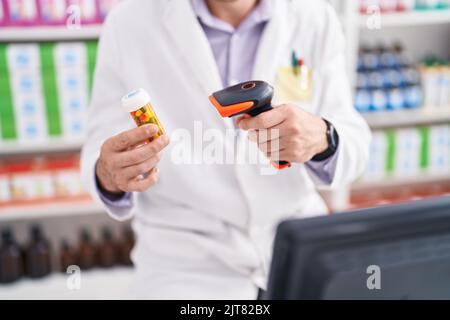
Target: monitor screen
[[389, 252]]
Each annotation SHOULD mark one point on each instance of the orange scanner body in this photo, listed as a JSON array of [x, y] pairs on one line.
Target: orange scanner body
[[251, 98]]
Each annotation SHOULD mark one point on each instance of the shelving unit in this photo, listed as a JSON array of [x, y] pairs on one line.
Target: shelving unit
[[354, 25], [402, 118], [52, 33], [414, 18], [56, 145], [95, 284], [51, 146], [60, 219], [395, 182], [355, 29], [50, 210], [98, 284]]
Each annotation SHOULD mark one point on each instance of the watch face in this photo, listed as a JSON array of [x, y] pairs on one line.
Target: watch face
[[332, 136]]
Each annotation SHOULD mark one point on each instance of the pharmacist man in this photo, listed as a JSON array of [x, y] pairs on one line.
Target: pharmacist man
[[205, 230]]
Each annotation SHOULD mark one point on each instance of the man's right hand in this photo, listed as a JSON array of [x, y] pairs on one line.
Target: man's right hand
[[126, 164]]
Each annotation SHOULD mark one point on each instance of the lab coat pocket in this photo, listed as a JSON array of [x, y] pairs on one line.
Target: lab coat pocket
[[295, 86]]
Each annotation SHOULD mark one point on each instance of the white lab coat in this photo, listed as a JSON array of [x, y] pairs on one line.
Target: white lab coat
[[205, 231]]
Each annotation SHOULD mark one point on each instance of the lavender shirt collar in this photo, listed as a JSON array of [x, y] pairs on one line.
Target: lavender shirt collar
[[262, 13]]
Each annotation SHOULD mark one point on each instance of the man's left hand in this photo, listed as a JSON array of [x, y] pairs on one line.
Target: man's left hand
[[291, 134]]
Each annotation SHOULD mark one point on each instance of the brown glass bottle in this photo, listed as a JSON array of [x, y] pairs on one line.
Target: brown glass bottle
[[87, 252], [11, 260], [107, 256], [37, 255], [125, 246], [67, 256]]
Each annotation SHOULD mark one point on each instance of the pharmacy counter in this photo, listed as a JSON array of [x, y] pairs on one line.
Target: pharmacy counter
[[95, 284]]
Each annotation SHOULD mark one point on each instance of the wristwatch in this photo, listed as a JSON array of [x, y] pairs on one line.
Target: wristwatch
[[333, 142]]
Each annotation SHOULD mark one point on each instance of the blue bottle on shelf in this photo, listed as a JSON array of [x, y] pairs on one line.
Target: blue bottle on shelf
[[379, 101], [396, 99], [363, 100], [413, 97]]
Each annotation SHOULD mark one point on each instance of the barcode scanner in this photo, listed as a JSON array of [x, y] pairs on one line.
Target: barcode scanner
[[252, 98]]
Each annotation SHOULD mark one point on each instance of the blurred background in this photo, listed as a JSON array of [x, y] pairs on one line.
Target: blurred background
[[398, 63]]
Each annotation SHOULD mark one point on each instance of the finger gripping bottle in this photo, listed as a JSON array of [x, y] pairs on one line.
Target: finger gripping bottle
[[137, 103]]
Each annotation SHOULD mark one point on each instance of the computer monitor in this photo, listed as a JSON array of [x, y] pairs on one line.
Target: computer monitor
[[389, 252]]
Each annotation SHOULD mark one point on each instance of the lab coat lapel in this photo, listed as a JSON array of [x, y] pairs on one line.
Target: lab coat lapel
[[192, 44], [274, 42]]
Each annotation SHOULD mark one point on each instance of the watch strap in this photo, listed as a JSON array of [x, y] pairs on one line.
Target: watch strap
[[333, 142]]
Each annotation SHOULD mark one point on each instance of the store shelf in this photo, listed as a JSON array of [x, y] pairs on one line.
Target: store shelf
[[51, 145], [413, 18], [407, 117], [51, 33], [395, 182], [39, 211], [94, 285]]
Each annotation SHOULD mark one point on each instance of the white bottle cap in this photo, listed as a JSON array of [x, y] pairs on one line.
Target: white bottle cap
[[135, 100]]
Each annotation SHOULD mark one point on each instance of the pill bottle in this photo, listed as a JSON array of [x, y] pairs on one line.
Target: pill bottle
[[137, 103]]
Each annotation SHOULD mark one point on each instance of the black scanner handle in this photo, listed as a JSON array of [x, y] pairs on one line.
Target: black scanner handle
[[258, 111]]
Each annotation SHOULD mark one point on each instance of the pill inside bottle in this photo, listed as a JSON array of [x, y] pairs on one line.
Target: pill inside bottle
[[137, 103]]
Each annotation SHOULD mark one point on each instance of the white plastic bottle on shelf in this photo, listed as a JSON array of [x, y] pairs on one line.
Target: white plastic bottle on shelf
[[68, 183], [30, 186], [431, 86], [444, 86]]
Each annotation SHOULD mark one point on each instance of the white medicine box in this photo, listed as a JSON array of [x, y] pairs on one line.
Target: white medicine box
[[407, 152], [439, 149], [376, 167]]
